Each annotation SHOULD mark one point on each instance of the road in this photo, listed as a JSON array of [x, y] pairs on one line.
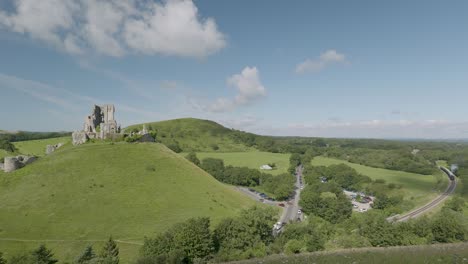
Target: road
[[424, 209], [290, 212]]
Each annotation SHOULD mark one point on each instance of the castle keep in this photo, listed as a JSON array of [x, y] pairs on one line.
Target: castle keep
[[99, 125]]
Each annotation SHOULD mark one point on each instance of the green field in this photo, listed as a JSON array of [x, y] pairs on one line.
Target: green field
[[96, 190], [252, 159], [418, 188], [38, 147], [441, 253]]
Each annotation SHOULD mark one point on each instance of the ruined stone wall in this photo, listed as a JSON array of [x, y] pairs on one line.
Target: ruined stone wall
[[11, 164]]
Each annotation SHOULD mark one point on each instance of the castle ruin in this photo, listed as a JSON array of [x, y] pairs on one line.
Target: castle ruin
[[99, 125]]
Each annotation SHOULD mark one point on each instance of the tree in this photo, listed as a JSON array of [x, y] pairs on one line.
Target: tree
[[214, 167], [109, 253], [194, 238], [192, 156], [87, 255], [42, 255], [448, 227], [2, 260]]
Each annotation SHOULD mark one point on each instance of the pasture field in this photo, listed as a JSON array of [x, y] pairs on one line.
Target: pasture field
[[81, 195], [38, 147], [251, 159], [417, 188]]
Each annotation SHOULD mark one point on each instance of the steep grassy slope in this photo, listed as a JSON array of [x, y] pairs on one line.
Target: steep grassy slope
[[253, 159], [417, 188], [194, 134], [37, 147], [96, 190]]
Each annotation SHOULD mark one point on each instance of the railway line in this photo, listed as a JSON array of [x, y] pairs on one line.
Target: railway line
[[439, 199]]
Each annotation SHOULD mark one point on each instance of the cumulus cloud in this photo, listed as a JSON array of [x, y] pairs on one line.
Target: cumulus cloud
[[325, 59], [249, 88], [116, 27]]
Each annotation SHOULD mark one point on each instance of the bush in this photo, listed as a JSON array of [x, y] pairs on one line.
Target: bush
[[294, 246]]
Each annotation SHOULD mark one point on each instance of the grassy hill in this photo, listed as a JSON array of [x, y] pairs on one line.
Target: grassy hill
[[417, 188], [82, 195], [194, 134]]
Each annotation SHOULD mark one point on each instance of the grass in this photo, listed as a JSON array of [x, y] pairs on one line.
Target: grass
[[195, 134], [96, 190], [252, 159], [441, 253], [417, 188], [38, 147]]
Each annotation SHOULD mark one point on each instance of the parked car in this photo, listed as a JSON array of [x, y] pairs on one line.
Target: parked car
[[278, 225], [281, 204], [299, 211]]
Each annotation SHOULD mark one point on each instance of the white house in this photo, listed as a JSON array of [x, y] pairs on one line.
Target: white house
[[266, 167]]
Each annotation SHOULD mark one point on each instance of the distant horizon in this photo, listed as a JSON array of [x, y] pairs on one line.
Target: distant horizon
[[361, 69], [451, 140]]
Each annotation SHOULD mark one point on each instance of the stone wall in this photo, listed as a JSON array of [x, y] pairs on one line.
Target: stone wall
[[11, 164], [14, 163], [52, 148], [79, 137]]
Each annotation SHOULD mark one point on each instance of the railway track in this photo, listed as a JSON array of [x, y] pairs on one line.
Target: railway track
[[421, 210]]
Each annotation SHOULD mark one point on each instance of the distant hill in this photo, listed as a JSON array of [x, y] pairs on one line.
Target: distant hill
[[195, 134], [92, 191]]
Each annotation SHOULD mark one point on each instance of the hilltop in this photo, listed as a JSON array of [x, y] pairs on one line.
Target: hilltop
[[96, 190], [195, 134]]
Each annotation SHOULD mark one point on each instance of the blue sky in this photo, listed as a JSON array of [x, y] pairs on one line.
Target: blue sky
[[381, 69]]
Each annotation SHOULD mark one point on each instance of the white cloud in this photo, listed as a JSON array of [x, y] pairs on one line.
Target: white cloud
[[116, 27], [249, 88], [325, 59]]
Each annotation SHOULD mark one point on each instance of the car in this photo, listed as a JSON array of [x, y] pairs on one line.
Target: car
[[278, 225], [252, 190], [262, 200], [299, 211], [281, 204], [355, 206]]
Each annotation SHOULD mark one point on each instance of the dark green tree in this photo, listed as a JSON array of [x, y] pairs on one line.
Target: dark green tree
[[86, 256], [214, 167], [109, 253], [192, 156], [42, 255], [2, 260]]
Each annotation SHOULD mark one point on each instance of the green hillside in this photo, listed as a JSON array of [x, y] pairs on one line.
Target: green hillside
[[37, 147], [194, 134], [96, 190]]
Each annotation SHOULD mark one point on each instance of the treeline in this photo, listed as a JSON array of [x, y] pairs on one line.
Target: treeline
[[23, 135], [280, 186], [194, 241], [42, 255], [399, 159]]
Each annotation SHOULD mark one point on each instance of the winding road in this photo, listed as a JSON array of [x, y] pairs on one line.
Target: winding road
[[439, 199]]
